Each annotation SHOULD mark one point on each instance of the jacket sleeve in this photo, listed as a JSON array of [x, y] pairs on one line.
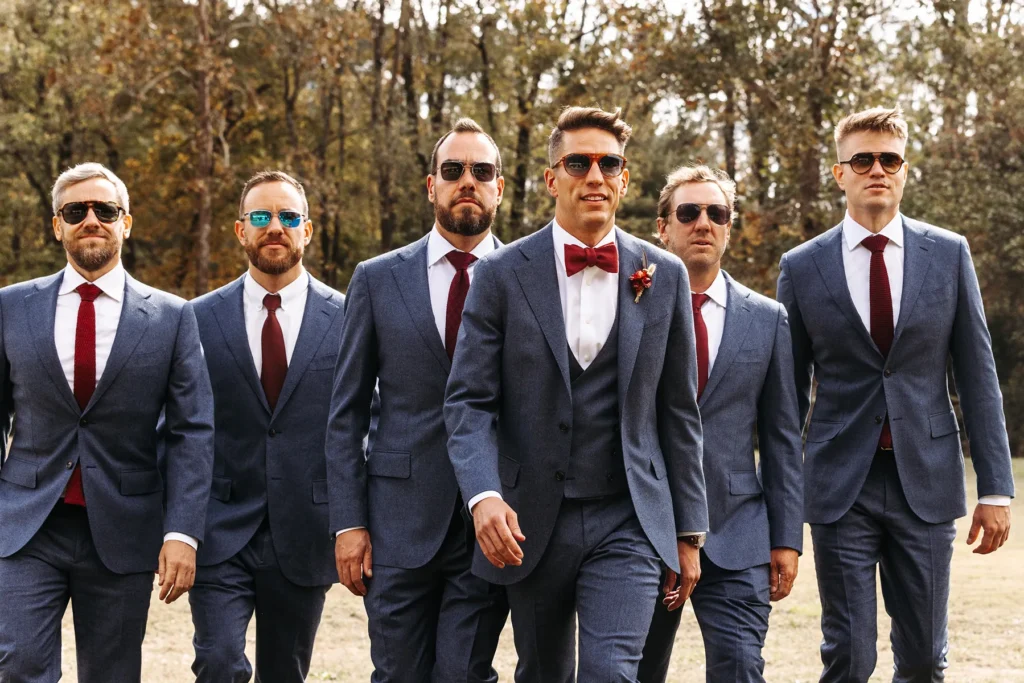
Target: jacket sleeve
[[6, 393], [803, 355]]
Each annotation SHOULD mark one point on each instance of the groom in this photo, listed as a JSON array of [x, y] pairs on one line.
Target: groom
[[572, 402]]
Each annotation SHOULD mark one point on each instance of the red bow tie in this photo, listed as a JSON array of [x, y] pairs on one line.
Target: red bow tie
[[577, 258]]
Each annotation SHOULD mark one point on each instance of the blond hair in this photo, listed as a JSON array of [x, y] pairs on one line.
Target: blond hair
[[875, 120], [697, 173], [273, 177], [83, 172]]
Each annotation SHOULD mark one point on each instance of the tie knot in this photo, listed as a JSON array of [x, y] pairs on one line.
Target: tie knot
[[699, 300], [460, 259], [88, 291], [875, 243], [272, 302]]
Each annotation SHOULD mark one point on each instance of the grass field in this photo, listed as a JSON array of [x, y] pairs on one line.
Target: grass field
[[986, 627]]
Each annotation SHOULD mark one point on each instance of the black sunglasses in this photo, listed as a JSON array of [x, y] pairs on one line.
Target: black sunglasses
[[578, 164], [74, 213], [863, 162], [484, 171], [719, 214]]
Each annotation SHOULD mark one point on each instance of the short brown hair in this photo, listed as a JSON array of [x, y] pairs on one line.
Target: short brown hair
[[273, 177], [699, 173], [464, 125], [876, 119], [578, 118]]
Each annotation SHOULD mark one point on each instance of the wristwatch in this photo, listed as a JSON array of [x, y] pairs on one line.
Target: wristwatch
[[696, 540]]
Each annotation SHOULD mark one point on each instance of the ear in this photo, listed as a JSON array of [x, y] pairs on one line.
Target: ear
[[839, 173], [56, 228], [126, 232], [431, 192], [662, 229], [240, 232], [501, 188], [307, 233], [625, 182], [549, 181]]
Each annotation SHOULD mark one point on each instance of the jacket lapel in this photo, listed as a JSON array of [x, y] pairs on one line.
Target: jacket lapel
[[316, 321], [539, 282], [411, 277], [231, 320], [41, 305], [829, 259], [917, 259], [136, 312], [632, 314], [737, 323]]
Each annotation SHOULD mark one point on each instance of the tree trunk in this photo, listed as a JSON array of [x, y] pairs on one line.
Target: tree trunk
[[204, 142]]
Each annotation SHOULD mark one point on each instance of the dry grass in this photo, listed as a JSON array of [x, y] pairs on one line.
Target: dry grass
[[986, 628]]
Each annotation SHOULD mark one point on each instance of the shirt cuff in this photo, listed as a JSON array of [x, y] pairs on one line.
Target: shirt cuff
[[184, 538], [681, 534], [351, 528], [480, 496], [1002, 501]]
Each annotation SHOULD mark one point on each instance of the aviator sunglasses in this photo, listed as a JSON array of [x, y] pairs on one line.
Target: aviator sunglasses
[[74, 213], [578, 164], [260, 218], [484, 171], [862, 162], [719, 214]]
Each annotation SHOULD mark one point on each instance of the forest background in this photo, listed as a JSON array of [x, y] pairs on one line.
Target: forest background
[[185, 99]]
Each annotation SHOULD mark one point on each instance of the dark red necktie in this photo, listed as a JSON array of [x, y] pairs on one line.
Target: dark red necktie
[[882, 329], [700, 331], [275, 360], [456, 298], [577, 258], [85, 373]]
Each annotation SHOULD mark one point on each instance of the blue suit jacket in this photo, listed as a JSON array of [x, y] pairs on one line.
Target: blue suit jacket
[[512, 368], [404, 490], [271, 463], [941, 318], [750, 390], [155, 370]]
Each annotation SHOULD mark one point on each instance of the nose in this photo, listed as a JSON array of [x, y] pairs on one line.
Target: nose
[[876, 168], [594, 175]]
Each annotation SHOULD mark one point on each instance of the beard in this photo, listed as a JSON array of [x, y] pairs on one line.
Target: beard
[[91, 257], [274, 265], [462, 221]]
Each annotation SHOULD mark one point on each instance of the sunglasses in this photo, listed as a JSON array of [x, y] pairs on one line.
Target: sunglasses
[[260, 218], [719, 214], [863, 162], [484, 171], [74, 213], [578, 164]]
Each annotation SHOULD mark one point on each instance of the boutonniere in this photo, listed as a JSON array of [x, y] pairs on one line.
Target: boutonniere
[[641, 279]]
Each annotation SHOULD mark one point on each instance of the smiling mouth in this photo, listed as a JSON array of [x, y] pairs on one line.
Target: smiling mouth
[[593, 198]]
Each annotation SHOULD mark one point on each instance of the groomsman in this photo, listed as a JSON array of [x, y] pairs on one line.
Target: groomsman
[[744, 387], [271, 339], [91, 360], [403, 540], [572, 411], [878, 305]]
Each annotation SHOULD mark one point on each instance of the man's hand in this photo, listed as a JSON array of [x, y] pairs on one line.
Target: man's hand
[[995, 520], [177, 570], [353, 557], [783, 572], [497, 530], [678, 587]]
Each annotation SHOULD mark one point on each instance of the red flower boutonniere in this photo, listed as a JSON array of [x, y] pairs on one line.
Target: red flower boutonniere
[[641, 279]]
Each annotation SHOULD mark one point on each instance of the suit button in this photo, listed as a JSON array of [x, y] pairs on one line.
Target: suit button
[[878, 419], [272, 432], [83, 422], [562, 427], [559, 475], [887, 372], [69, 465]]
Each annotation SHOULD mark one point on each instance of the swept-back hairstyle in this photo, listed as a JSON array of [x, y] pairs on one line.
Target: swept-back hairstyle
[[876, 120], [698, 173], [273, 177], [464, 125], [81, 173], [578, 118]]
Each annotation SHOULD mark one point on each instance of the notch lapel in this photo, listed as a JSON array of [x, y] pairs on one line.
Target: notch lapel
[[231, 321], [316, 321], [829, 259], [632, 314], [917, 260], [41, 307], [132, 327], [539, 282], [737, 322], [411, 277]]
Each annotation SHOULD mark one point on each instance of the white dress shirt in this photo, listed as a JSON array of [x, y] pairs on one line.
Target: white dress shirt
[[857, 264], [289, 315], [713, 312], [108, 314]]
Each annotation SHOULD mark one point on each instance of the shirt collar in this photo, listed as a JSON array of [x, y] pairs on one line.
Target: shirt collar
[[111, 283], [854, 233], [290, 294], [718, 292], [562, 237], [438, 247]]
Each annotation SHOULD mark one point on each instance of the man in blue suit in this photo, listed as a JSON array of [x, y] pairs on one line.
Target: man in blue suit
[[744, 387], [878, 305], [271, 339], [573, 421], [402, 539], [91, 360]]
